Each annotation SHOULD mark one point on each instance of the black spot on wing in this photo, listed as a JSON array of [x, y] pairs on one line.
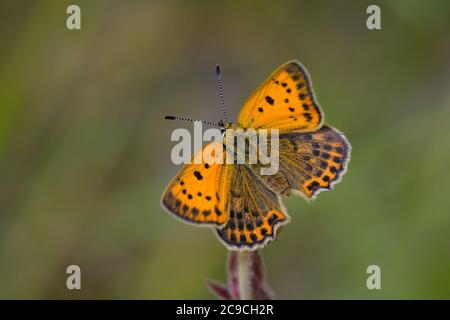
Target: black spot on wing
[[206, 212], [198, 175], [270, 100], [307, 116]]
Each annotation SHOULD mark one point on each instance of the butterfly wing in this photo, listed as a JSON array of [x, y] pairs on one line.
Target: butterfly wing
[[309, 162], [255, 212], [199, 193], [284, 101]]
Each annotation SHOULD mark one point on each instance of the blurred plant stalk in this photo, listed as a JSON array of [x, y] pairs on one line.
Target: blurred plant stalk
[[246, 278]]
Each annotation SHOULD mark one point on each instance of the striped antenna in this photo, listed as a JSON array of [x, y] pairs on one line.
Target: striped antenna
[[222, 102], [191, 120]]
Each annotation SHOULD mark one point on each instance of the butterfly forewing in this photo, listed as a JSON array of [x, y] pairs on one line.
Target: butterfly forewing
[[199, 193], [284, 101]]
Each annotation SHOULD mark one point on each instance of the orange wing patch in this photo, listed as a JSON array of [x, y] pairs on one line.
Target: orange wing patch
[[284, 101], [199, 193], [255, 213]]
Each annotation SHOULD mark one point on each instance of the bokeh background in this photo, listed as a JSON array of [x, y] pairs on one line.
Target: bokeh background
[[85, 152]]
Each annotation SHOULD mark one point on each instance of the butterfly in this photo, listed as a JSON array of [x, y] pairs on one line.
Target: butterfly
[[243, 207]]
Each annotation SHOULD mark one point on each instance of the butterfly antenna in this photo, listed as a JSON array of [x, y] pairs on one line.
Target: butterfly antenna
[[191, 120], [222, 102]]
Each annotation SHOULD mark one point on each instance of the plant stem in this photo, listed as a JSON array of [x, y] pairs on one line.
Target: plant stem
[[244, 275]]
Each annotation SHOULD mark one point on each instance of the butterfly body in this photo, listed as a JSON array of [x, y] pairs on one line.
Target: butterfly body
[[242, 205]]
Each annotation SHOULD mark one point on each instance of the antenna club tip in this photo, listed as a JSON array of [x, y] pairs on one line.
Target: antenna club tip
[[217, 70], [169, 118]]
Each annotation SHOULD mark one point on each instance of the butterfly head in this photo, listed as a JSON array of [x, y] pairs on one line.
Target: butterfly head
[[224, 126]]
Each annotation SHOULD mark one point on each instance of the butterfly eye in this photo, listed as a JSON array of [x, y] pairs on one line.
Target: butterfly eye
[[223, 130]]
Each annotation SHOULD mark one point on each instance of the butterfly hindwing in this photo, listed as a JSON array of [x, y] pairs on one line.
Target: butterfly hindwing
[[199, 192], [284, 101], [255, 212], [309, 162]]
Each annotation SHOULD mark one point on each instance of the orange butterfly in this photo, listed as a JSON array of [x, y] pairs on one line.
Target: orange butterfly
[[242, 206]]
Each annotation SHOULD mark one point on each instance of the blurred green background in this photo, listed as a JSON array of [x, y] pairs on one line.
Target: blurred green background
[[85, 154]]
